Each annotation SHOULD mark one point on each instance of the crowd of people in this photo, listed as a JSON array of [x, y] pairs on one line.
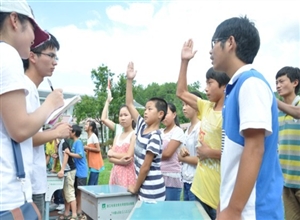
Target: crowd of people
[[239, 157]]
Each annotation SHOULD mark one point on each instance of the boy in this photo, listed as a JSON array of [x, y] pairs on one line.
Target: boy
[[41, 63], [287, 85], [68, 167], [206, 182], [251, 178], [81, 165], [150, 184]]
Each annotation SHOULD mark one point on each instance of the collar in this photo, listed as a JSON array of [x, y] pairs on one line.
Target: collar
[[239, 72]]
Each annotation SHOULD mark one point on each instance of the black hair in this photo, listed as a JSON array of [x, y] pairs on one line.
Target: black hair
[[221, 78], [161, 105], [196, 93], [77, 129], [22, 18], [51, 43], [172, 107], [245, 34], [293, 73], [94, 127], [133, 124]]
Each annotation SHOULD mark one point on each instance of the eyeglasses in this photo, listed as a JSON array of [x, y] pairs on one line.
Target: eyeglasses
[[215, 41], [51, 55]]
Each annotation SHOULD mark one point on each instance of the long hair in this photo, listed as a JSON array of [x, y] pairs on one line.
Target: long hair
[[94, 127], [172, 107]]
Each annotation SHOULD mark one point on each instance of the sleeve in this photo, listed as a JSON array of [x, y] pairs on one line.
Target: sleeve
[[255, 110], [78, 148], [12, 72], [178, 135], [154, 144], [65, 145], [203, 106], [95, 139], [139, 124]]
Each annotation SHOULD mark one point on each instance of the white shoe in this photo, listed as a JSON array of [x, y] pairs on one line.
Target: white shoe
[[52, 207], [61, 212], [60, 207]]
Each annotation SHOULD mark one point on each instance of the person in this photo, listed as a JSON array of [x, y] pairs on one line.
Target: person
[[68, 172], [287, 86], [172, 138], [121, 154], [251, 177], [78, 155], [148, 148], [188, 153], [206, 182], [41, 63], [18, 33], [95, 161]]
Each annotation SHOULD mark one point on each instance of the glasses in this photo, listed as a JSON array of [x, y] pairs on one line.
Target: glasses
[[215, 41], [51, 55]]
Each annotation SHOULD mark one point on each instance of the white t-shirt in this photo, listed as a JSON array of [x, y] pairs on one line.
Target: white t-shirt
[[12, 78], [39, 173]]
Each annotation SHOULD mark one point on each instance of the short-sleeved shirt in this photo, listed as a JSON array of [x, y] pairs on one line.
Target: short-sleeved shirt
[[63, 145], [12, 78], [153, 188], [80, 163]]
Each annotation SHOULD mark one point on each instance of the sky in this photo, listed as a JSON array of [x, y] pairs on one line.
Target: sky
[[151, 33]]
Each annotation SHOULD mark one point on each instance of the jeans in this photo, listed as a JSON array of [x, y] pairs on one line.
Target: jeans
[[209, 210], [187, 194], [39, 200], [58, 197], [93, 180], [173, 194]]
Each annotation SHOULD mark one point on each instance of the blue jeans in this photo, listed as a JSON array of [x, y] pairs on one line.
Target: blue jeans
[[173, 194], [209, 210], [58, 197], [39, 201], [187, 194], [93, 180]]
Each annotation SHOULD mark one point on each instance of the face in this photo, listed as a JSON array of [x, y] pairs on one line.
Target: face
[[169, 119], [219, 55], [45, 61], [87, 126], [125, 118], [188, 111], [151, 114], [213, 92], [284, 86], [24, 35]]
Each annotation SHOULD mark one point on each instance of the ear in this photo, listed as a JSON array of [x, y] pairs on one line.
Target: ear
[[160, 114], [32, 57], [13, 19], [296, 82], [231, 43]]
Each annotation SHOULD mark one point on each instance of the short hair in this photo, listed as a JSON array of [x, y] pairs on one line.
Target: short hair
[[221, 78], [51, 43], [196, 93], [245, 34], [293, 73], [160, 105], [77, 129]]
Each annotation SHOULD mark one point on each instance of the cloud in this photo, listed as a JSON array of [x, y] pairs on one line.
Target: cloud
[[152, 35]]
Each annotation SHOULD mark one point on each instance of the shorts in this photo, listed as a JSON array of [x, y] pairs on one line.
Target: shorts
[[80, 182], [69, 190]]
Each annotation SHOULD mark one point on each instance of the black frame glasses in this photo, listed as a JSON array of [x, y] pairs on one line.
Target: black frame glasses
[[51, 55]]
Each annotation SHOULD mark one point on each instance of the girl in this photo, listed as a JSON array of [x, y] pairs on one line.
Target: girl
[[172, 137], [95, 161]]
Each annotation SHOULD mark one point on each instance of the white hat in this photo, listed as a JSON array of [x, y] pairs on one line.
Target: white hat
[[22, 7]]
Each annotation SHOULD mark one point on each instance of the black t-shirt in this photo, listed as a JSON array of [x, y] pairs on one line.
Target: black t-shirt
[[71, 163]]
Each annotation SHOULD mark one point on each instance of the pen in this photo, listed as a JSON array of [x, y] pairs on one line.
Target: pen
[[50, 84]]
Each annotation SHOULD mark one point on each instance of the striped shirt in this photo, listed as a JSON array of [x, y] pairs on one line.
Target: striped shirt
[[153, 188], [289, 147]]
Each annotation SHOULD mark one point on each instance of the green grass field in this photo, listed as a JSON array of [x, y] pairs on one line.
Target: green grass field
[[104, 175]]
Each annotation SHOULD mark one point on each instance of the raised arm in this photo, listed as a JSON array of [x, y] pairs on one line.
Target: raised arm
[[294, 111], [104, 117], [182, 92], [131, 73], [19, 124]]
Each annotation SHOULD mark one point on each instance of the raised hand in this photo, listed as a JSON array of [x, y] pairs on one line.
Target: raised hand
[[187, 52], [131, 73], [109, 96]]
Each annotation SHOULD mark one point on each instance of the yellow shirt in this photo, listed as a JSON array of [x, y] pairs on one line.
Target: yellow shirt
[[50, 149], [206, 183]]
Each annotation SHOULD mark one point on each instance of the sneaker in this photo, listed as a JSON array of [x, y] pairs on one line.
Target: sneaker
[[60, 207], [61, 212], [52, 207]]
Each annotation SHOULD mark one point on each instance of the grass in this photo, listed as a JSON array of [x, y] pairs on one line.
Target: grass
[[105, 174]]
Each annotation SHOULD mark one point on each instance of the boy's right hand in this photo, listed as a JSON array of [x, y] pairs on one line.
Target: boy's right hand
[[55, 99], [131, 73], [187, 52]]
